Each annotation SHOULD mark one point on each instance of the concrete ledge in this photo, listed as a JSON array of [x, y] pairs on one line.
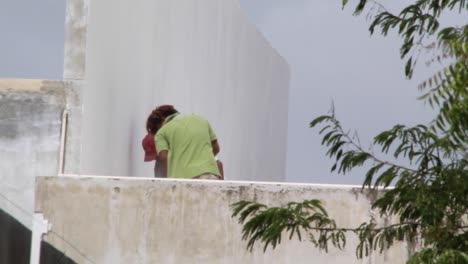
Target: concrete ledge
[[20, 84], [148, 220]]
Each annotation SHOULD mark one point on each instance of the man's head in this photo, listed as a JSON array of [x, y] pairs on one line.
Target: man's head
[[166, 110], [154, 122], [158, 115]]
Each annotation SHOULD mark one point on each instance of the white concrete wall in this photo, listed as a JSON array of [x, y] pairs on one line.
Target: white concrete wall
[[204, 58], [138, 220], [30, 125]]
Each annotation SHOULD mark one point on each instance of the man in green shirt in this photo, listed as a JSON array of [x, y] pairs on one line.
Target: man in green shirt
[[187, 146]]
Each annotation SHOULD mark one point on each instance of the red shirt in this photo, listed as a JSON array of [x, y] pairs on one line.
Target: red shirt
[[149, 147]]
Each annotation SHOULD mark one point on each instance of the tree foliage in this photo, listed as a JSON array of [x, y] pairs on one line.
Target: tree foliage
[[428, 192]]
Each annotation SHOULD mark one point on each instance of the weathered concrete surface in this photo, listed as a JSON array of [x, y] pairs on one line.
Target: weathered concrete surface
[[143, 220], [76, 25], [30, 124], [203, 58], [73, 138]]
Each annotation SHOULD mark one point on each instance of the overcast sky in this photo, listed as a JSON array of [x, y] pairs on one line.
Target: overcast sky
[[31, 42], [333, 58], [330, 52]]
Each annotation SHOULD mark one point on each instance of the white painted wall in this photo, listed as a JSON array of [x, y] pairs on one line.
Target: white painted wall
[[143, 220], [205, 58]]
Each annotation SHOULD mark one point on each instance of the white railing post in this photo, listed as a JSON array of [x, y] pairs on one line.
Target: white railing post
[[40, 227], [63, 136]]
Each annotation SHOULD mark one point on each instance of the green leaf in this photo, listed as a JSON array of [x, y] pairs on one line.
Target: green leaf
[[320, 119], [344, 2], [408, 67], [370, 174]]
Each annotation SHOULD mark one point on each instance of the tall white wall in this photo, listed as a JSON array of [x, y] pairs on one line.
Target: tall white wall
[[138, 220], [203, 57]]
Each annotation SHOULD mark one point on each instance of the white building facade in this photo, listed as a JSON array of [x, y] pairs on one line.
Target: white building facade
[[204, 58], [122, 59]]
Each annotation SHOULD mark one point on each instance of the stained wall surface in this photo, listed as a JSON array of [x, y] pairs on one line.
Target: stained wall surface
[[144, 220], [203, 58], [30, 126]]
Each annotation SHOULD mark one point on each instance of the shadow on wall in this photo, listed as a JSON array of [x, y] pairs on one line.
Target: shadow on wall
[[15, 244]]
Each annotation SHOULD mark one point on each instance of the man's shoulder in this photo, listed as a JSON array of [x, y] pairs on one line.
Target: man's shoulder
[[194, 117], [182, 120], [161, 131]]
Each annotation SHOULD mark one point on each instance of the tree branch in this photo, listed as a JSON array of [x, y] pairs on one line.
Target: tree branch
[[358, 147]]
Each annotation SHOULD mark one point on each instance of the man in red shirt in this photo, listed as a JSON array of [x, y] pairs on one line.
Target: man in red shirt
[[150, 153], [148, 142]]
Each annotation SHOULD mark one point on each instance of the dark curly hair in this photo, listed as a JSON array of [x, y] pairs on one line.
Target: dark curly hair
[[157, 116], [166, 110]]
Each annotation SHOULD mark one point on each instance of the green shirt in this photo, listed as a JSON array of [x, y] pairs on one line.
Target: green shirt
[[187, 138]]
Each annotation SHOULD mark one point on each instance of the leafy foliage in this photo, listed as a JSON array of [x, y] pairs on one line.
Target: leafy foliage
[[268, 224], [430, 193]]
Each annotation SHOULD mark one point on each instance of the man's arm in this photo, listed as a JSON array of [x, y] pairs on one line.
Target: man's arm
[[162, 158], [220, 168], [162, 145], [215, 146]]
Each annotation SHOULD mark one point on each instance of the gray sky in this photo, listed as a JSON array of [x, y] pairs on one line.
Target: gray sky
[[330, 52], [31, 42], [333, 58]]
